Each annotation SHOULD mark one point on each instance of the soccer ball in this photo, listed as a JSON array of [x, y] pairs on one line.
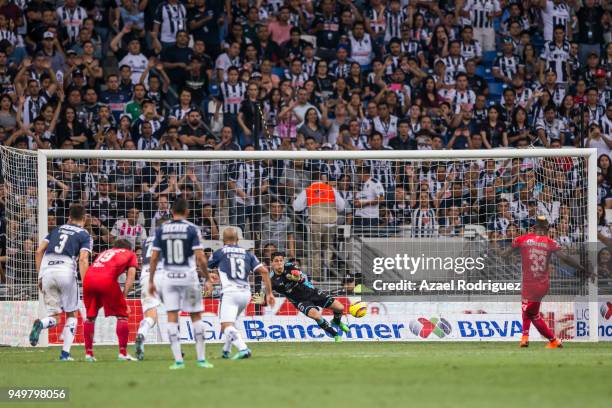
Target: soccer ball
[[358, 309]]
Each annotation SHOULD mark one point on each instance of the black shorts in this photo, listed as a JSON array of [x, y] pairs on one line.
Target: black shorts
[[318, 299]]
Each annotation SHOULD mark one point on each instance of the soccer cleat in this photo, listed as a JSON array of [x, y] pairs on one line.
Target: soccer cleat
[[140, 347], [125, 357], [90, 359], [554, 343], [64, 356], [178, 365], [242, 354], [524, 341], [35, 333], [204, 364], [225, 354], [343, 327], [338, 339]]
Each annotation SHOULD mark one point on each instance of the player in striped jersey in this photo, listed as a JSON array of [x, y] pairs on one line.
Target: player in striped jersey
[[382, 170], [341, 66], [454, 62], [507, 65], [482, 13], [556, 55], [394, 17], [376, 21], [461, 95], [232, 94], [295, 74]]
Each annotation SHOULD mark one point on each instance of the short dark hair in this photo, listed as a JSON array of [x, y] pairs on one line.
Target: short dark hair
[[77, 212], [122, 243], [277, 253], [180, 206]]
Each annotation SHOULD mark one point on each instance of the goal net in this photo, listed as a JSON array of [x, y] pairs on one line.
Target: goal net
[[334, 212]]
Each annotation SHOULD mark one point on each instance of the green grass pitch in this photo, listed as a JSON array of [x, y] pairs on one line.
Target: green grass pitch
[[348, 374]]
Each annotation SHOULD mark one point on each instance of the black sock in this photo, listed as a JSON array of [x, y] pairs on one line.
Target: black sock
[[337, 318], [324, 324]]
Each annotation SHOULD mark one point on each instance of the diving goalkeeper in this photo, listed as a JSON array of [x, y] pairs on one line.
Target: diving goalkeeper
[[288, 280]]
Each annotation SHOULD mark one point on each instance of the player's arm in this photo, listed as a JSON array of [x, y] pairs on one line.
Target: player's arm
[[202, 264], [265, 277], [129, 281], [83, 263]]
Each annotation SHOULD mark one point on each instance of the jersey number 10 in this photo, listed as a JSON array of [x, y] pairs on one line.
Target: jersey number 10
[[174, 252]]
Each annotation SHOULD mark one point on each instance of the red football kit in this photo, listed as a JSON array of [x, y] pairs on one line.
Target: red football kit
[[100, 287], [536, 251]]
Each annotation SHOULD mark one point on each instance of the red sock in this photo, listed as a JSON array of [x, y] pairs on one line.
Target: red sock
[[122, 334], [540, 324], [526, 323], [88, 334]]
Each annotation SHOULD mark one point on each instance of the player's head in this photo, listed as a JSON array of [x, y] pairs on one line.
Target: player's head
[[230, 236], [180, 208], [278, 262], [122, 243], [77, 213], [541, 225]]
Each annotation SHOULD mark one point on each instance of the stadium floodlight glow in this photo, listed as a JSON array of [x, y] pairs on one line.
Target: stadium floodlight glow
[[27, 174]]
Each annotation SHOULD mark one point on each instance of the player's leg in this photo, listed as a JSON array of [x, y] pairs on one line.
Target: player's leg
[[115, 305], [70, 304], [149, 308], [526, 323], [52, 299], [192, 304], [338, 309], [232, 305], [171, 296], [93, 303], [312, 312], [533, 309]]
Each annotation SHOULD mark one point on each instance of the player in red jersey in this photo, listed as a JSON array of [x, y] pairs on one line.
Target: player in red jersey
[[536, 250], [100, 288]]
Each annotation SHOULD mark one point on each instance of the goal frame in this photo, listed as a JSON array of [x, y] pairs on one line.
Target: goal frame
[[590, 154]]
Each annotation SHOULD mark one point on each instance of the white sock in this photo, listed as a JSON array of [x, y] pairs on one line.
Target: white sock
[[175, 343], [227, 346], [145, 325], [198, 333], [237, 341], [48, 322], [68, 333]]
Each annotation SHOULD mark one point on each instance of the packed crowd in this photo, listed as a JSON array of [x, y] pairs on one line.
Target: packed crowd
[[310, 75]]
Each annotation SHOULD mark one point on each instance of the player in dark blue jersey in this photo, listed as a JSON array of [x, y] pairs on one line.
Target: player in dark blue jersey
[[62, 251], [235, 264], [290, 281], [177, 245]]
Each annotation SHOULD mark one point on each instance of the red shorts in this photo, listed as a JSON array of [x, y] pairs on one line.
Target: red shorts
[[104, 293], [530, 307]]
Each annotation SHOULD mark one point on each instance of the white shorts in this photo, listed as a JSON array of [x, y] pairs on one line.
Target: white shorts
[[187, 298], [147, 300], [232, 304], [60, 292]]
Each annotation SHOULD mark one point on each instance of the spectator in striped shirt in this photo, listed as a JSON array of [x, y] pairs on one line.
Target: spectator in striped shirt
[[130, 228]]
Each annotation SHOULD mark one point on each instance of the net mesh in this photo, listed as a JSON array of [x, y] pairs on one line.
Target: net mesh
[[272, 203]]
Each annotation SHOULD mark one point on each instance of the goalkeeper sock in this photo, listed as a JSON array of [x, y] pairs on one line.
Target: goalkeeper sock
[[324, 324], [175, 344], [145, 325], [48, 322], [337, 318], [198, 333], [540, 324], [237, 341], [68, 333], [526, 323], [123, 332], [88, 334]]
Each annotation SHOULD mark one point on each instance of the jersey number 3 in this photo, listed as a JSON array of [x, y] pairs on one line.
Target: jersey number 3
[[63, 238]]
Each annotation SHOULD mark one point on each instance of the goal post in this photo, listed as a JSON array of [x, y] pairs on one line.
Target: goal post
[[215, 183]]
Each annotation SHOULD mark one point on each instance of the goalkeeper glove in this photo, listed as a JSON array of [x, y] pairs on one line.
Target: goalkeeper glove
[[259, 298], [294, 275]]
